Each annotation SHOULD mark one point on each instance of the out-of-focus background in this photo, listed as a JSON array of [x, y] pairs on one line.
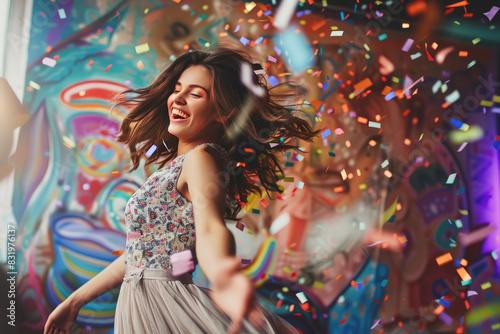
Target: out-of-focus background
[[406, 94]]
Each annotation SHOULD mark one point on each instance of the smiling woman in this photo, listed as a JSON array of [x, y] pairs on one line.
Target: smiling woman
[[222, 139], [253, 129]]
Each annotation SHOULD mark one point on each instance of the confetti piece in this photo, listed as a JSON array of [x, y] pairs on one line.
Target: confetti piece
[[151, 150], [326, 133], [362, 85], [318, 24], [246, 261], [459, 124], [439, 309], [318, 285], [140, 65], [374, 125], [115, 173], [339, 131], [299, 184], [460, 149], [493, 11], [337, 33], [413, 84], [49, 62], [463, 274], [486, 285], [415, 56], [389, 212], [458, 4], [390, 96], [69, 142], [246, 79], [443, 259], [62, 13], [445, 318], [375, 324], [445, 303], [407, 45], [240, 226], [107, 67], [296, 47], [34, 85], [471, 134], [244, 40], [387, 67], [182, 262], [273, 80], [142, 48], [388, 174], [118, 252], [441, 55], [284, 13], [451, 178], [416, 7], [301, 297], [382, 37], [471, 293]]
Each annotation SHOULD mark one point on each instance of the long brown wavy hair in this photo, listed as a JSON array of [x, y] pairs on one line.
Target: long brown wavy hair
[[256, 126]]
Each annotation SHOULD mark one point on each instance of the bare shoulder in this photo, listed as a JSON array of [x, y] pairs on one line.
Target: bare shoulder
[[204, 158]]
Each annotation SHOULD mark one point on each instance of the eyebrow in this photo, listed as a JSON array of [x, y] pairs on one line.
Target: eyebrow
[[193, 85]]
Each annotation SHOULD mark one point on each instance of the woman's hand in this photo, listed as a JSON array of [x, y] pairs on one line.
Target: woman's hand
[[233, 293], [62, 318]]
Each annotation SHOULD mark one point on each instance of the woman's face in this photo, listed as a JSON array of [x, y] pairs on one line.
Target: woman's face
[[191, 99]]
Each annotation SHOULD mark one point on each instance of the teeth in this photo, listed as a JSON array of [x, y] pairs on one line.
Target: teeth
[[180, 113]]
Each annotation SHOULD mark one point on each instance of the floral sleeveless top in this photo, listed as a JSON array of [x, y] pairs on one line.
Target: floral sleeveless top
[[159, 220]]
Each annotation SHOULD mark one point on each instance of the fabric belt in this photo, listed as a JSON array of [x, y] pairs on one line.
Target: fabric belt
[[136, 274]]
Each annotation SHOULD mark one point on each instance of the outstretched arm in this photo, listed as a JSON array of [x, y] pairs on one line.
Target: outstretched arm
[[215, 247], [64, 315]]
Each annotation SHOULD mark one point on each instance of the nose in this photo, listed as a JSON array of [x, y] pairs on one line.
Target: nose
[[179, 98]]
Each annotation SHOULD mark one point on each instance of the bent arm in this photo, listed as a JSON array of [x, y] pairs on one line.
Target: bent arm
[[109, 278]]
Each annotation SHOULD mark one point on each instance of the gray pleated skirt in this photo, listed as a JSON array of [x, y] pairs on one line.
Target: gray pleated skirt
[[153, 301]]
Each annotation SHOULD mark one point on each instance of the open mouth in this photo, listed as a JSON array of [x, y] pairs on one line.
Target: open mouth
[[179, 114]]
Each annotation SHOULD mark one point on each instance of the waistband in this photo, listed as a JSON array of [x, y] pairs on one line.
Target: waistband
[[136, 274]]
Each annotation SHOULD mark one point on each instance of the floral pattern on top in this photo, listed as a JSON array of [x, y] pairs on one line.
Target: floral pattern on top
[[159, 220]]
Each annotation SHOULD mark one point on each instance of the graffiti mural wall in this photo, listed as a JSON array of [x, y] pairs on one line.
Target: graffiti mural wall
[[409, 147]]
